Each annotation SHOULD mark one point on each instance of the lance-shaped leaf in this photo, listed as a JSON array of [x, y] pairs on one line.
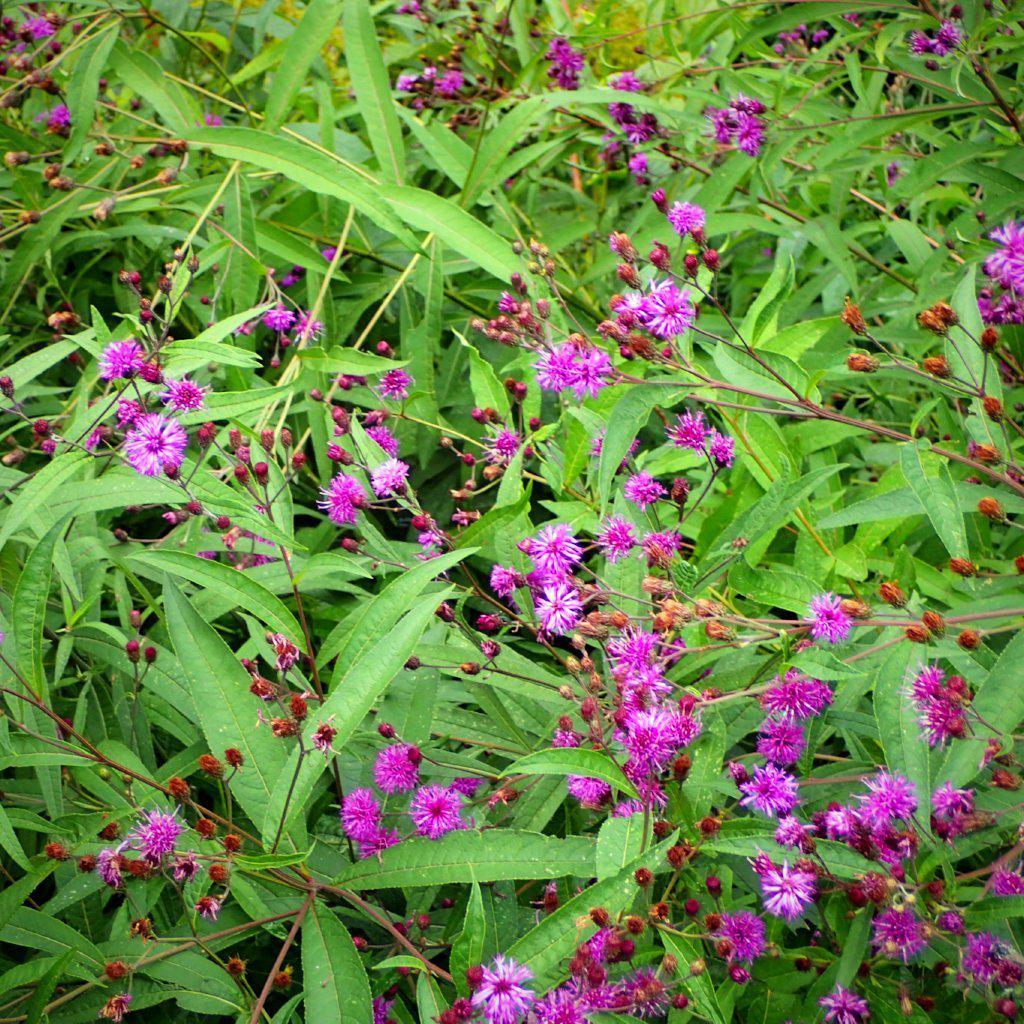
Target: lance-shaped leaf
[[473, 856]]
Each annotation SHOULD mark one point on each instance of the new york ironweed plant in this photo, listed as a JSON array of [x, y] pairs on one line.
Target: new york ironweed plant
[[509, 513]]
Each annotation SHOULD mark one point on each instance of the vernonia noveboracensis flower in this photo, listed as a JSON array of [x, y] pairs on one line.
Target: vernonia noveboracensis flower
[[509, 514]]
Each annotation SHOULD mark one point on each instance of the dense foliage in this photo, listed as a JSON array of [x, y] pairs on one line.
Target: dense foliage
[[510, 511]]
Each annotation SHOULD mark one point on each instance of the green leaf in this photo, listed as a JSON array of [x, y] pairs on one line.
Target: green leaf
[[619, 841], [15, 893], [429, 1001], [377, 643], [9, 841], [220, 689], [373, 90], [44, 486], [334, 979], [470, 946], [235, 584], [701, 988], [458, 229], [306, 166], [938, 498], [300, 50], [487, 390], [144, 75], [624, 422], [904, 745], [472, 856], [573, 761], [29, 610], [83, 87], [268, 861], [36, 1005]]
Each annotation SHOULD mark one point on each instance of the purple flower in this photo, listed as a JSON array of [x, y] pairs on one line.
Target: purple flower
[[983, 956], [1006, 265], [554, 551], [589, 792], [562, 1006], [467, 786], [155, 835], [381, 1009], [184, 395], [279, 318], [790, 832], [590, 374], [449, 84], [947, 38], [121, 360], [785, 891], [559, 608], [307, 327], [58, 120], [749, 134], [501, 995], [38, 28], [952, 922], [387, 441], [116, 1007], [360, 814], [796, 696], [208, 907], [686, 218], [342, 499], [394, 385], [505, 580], [898, 934], [721, 448], [396, 769], [501, 448], [436, 811], [690, 431], [646, 994], [627, 81], [377, 842], [781, 741], [770, 791], [186, 867], [643, 490], [389, 478], [616, 538], [1007, 883], [128, 411], [844, 1007], [155, 444], [744, 932], [667, 311], [652, 736], [565, 63], [889, 798], [108, 867], [829, 622], [556, 368]]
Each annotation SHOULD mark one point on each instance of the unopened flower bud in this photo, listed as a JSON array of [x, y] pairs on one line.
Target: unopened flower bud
[[962, 567], [892, 594], [861, 362], [990, 508], [853, 318]]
